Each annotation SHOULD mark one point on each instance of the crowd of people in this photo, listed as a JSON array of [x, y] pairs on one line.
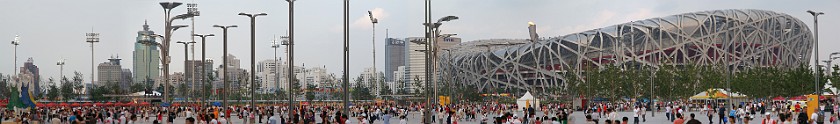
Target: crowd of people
[[362, 113]]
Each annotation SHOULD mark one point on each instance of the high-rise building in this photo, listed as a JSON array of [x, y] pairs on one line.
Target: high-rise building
[[194, 76], [30, 76], [126, 80], [416, 61], [146, 57], [233, 76], [109, 72], [368, 75], [394, 56], [268, 75]]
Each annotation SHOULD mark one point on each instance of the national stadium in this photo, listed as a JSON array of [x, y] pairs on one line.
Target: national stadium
[[750, 38]]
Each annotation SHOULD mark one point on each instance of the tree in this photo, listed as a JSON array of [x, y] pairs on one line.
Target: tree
[[182, 89], [136, 87], [309, 95], [66, 89], [53, 90], [78, 85], [417, 84], [361, 92]]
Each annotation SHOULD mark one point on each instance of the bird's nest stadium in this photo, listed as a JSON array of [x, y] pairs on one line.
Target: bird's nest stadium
[[751, 38]]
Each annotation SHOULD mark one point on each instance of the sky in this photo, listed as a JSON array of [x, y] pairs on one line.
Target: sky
[[54, 29]]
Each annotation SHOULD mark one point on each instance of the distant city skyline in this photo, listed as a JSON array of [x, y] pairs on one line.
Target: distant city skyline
[[52, 30]]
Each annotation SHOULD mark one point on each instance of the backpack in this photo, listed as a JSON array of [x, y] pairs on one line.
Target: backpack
[[820, 117]]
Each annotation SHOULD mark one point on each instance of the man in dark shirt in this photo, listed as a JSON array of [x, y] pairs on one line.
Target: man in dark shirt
[[721, 114], [693, 120]]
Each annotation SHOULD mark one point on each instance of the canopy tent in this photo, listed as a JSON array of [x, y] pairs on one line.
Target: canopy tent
[[716, 94], [143, 93], [779, 98], [527, 100], [829, 90]]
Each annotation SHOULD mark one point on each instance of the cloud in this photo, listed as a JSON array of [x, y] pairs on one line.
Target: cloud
[[364, 20]]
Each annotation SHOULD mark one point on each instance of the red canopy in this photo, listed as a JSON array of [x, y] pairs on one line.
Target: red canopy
[[2, 104], [87, 104], [126, 104], [40, 105], [99, 104], [75, 105], [144, 104], [109, 104], [52, 105], [64, 104], [176, 104], [798, 98], [779, 98]]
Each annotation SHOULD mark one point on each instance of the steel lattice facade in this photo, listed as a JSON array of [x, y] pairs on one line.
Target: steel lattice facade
[[751, 38]]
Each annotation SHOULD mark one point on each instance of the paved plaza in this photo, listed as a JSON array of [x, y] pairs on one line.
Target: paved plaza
[[577, 118]]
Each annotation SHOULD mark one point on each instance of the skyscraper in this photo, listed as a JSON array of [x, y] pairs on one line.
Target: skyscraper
[[394, 56], [146, 58], [416, 61], [109, 72]]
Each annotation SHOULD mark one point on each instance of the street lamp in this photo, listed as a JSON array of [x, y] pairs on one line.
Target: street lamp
[[816, 52], [168, 29], [275, 45], [92, 38], [203, 61], [253, 54], [60, 63], [345, 77], [373, 22], [224, 64], [291, 53], [186, 60], [432, 46], [16, 42]]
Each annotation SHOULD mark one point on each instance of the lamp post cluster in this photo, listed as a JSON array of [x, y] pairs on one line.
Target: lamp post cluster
[[816, 53]]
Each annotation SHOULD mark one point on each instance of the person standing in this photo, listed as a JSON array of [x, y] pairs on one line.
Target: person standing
[[636, 113]]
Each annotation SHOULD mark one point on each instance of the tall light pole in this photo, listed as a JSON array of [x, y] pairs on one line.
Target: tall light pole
[[192, 8], [291, 53], [345, 77], [16, 42], [203, 74], [253, 55], [275, 45], [224, 64], [532, 31], [60, 63], [432, 45], [816, 53], [167, 37], [92, 38], [186, 60], [373, 22]]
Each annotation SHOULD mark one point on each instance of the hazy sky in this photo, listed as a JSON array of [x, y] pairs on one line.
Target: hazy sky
[[54, 29]]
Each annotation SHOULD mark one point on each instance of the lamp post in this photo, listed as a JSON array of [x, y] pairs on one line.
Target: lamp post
[[432, 47], [168, 29], [253, 54], [60, 63], [192, 8], [203, 74], [373, 22], [16, 42], [345, 77], [92, 38], [816, 52], [291, 53], [186, 60], [275, 45], [224, 64]]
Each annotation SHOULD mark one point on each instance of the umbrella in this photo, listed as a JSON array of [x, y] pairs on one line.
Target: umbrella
[[176, 104], [52, 105], [99, 104], [165, 105], [87, 104], [217, 104], [109, 104], [126, 104], [779, 98], [75, 105], [64, 104], [2, 104], [798, 98], [40, 105], [144, 104]]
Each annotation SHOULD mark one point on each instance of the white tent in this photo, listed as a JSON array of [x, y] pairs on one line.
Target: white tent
[[143, 93], [528, 100]]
